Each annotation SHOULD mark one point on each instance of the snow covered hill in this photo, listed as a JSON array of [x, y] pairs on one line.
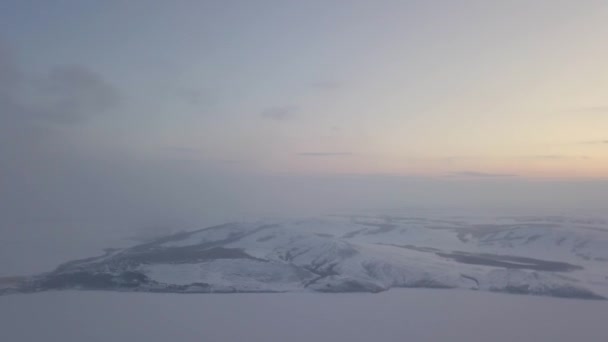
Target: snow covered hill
[[552, 256]]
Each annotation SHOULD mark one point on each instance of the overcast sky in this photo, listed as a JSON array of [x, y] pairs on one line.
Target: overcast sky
[[167, 112]]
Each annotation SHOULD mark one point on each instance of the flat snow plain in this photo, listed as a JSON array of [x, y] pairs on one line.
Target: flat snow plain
[[395, 315]]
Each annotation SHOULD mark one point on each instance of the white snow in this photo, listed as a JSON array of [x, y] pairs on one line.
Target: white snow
[[239, 274]]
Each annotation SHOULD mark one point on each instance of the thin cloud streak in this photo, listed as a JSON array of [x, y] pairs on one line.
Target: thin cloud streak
[[593, 109], [68, 94], [324, 154], [475, 174], [279, 113], [555, 157], [326, 85], [594, 142]]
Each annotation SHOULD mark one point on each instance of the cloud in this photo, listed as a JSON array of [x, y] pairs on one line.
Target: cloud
[[191, 96], [326, 85], [10, 75], [591, 110], [548, 156], [279, 113], [555, 157], [475, 174], [324, 154], [11, 81], [594, 142], [65, 95], [73, 93], [597, 109], [181, 149], [196, 97]]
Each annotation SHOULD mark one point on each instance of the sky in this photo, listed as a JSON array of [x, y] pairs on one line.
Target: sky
[[155, 113]]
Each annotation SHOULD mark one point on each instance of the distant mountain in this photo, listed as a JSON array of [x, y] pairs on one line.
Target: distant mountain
[[551, 256]]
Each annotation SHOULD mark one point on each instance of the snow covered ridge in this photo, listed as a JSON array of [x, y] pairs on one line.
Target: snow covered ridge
[[526, 255]]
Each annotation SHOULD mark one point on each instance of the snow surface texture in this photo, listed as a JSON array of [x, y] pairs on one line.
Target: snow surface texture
[[551, 256]]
